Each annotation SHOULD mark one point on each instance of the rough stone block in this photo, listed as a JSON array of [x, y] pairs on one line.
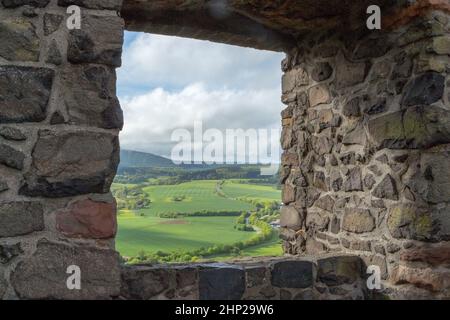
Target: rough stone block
[[11, 157], [387, 189], [291, 218], [25, 92], [43, 275], [144, 283], [72, 163], [358, 220], [293, 274], [222, 283], [432, 179], [14, 134], [9, 252], [20, 218], [424, 90], [91, 44], [88, 219], [52, 23], [416, 127], [339, 270], [19, 40], [411, 222], [90, 96]]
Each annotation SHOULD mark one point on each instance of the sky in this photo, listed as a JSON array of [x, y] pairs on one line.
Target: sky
[[168, 83]]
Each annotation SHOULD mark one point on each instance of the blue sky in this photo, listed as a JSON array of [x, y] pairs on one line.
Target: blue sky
[[166, 83]]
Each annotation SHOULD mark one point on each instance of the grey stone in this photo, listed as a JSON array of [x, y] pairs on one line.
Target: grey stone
[[9, 252], [14, 134], [369, 181], [336, 181], [357, 135], [319, 180], [293, 274], [24, 93], [335, 225], [255, 276], [29, 12], [358, 220], [352, 108], [53, 54], [386, 189], [348, 158], [3, 284], [52, 23], [90, 96], [92, 44], [307, 196], [144, 283], [317, 221], [432, 180], [100, 272], [403, 66], [93, 4], [350, 74], [322, 145], [372, 48], [325, 203], [3, 186], [415, 127], [19, 40], [353, 181], [424, 90], [222, 283], [20, 218], [11, 157], [321, 71], [71, 163], [18, 3], [339, 270], [291, 218]]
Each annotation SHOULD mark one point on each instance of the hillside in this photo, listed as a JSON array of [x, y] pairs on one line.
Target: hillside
[[136, 159]]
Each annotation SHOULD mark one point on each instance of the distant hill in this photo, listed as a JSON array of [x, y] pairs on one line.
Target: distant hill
[[136, 159]]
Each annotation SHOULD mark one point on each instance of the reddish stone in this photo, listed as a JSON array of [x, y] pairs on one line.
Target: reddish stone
[[88, 219], [433, 255], [433, 280], [419, 8]]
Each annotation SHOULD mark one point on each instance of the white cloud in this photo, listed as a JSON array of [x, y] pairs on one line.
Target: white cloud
[[151, 118], [172, 62]]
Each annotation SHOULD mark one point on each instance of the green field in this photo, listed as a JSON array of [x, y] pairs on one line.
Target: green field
[[142, 230]]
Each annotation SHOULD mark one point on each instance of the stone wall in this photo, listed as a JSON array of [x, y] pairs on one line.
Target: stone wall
[[334, 277], [365, 169], [59, 149], [366, 139]]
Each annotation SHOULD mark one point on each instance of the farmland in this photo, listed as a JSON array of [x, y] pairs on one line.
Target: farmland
[[144, 231]]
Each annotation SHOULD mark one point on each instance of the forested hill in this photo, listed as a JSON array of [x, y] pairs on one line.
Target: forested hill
[[136, 159]]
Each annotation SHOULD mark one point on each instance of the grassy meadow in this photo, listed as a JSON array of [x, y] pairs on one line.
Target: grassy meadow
[[142, 230]]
